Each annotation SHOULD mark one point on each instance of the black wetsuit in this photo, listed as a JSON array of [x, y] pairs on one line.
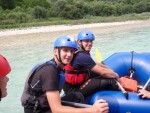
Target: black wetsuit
[[45, 79]]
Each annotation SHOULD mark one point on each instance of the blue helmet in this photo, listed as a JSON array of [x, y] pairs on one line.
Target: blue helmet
[[86, 35], [65, 41]]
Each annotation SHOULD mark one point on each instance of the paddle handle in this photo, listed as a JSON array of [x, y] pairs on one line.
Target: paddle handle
[[122, 89], [74, 104], [146, 84]]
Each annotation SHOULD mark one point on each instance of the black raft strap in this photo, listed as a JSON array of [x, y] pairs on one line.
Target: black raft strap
[[131, 70], [131, 66]]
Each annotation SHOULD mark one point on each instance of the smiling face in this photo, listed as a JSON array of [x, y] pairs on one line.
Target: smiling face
[[66, 54], [3, 84], [86, 44]]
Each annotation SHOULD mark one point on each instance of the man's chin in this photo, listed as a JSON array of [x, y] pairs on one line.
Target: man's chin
[[88, 50], [67, 62]]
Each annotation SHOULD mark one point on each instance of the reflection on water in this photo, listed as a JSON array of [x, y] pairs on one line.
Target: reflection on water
[[24, 51]]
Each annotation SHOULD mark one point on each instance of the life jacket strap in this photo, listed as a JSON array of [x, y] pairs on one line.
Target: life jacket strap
[[76, 72]]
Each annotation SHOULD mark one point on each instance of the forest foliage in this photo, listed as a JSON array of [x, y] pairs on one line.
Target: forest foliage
[[24, 11]]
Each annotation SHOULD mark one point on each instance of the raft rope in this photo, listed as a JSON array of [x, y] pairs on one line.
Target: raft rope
[[132, 70]]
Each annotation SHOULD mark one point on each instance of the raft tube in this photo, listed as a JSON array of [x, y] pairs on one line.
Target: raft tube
[[119, 104], [121, 63]]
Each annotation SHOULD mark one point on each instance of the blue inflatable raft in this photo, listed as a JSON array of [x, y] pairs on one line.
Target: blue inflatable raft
[[121, 63]]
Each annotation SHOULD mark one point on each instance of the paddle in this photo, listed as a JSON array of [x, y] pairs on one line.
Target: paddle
[[74, 104], [122, 89], [145, 86], [98, 56]]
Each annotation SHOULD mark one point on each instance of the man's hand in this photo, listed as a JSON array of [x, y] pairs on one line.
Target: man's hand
[[144, 94], [100, 106]]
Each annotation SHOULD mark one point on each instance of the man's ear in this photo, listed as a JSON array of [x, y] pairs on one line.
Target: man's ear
[[55, 51], [79, 42]]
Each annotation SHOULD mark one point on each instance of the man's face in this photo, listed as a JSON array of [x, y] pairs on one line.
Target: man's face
[[66, 54], [3, 84], [87, 44]]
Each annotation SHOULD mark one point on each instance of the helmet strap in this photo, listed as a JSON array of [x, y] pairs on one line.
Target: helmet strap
[[81, 46], [59, 57]]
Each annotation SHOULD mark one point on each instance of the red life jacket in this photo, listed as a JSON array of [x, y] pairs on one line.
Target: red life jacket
[[75, 76]]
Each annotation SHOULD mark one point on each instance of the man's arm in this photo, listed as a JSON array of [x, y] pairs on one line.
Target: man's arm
[[86, 61], [101, 65], [54, 101], [105, 71]]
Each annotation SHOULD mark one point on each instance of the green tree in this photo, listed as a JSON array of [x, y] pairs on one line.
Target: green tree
[[141, 7], [39, 12], [7, 4], [33, 3]]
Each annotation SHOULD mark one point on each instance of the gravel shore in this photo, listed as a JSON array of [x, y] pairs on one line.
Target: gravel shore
[[58, 28]]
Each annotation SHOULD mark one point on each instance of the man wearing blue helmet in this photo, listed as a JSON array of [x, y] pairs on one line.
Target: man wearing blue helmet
[[82, 74], [44, 83]]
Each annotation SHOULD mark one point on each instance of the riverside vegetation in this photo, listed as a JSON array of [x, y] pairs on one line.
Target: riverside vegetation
[[31, 13]]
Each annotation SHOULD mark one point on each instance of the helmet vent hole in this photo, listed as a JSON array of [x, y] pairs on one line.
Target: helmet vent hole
[[68, 39], [86, 34]]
